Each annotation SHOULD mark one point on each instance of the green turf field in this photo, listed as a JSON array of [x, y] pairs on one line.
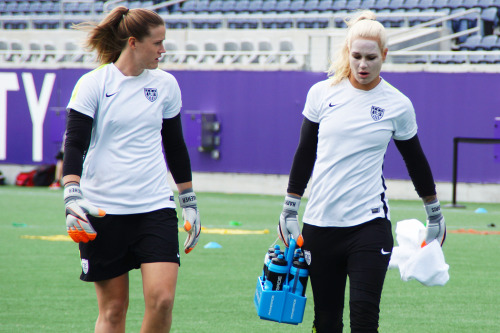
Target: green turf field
[[40, 290]]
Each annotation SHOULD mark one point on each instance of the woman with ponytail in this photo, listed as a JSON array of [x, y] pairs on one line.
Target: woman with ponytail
[[123, 130], [349, 119]]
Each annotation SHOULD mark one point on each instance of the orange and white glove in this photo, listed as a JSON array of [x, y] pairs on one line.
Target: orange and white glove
[[288, 225], [77, 208], [191, 217]]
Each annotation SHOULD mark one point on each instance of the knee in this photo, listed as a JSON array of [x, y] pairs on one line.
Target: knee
[[162, 303], [115, 312]]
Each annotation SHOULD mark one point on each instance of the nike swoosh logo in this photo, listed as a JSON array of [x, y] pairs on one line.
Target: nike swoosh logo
[[109, 95], [332, 105], [384, 252]]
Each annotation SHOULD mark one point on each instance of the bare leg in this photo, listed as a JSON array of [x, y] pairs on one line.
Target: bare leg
[[113, 299], [159, 280]]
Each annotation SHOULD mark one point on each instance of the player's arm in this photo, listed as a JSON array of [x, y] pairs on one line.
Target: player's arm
[[78, 132], [421, 176], [179, 164], [302, 166]]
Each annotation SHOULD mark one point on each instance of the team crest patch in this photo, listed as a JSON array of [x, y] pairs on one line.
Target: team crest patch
[[307, 256], [377, 113], [151, 94], [85, 266]]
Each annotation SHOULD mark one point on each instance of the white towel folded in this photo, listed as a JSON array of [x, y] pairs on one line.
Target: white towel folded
[[426, 265]]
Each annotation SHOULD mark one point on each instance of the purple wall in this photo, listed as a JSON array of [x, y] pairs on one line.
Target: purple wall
[[260, 116]]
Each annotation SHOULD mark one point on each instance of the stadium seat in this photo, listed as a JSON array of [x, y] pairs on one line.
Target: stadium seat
[[367, 4], [192, 53], [73, 53], [248, 52], [339, 5], [215, 6], [171, 48], [326, 5], [488, 43], [426, 4], [471, 43], [470, 3], [269, 6], [353, 4], [283, 6], [298, 6], [490, 20], [230, 48], [229, 6], [410, 4], [395, 4], [241, 6], [453, 4], [35, 51], [255, 6], [438, 4], [188, 6], [311, 6], [381, 5], [485, 3], [210, 49]]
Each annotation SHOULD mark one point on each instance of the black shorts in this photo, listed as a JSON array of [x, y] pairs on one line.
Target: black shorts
[[124, 242]]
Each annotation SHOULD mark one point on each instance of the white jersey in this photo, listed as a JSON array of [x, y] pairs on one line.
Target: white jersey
[[355, 127], [124, 171]]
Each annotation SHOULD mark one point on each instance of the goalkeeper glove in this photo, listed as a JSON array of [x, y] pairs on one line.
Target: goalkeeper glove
[[191, 216], [436, 228], [77, 208], [289, 224]]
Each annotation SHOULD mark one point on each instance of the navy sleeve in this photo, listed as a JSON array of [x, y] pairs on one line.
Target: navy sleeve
[[78, 132], [175, 149], [417, 165], [305, 157]]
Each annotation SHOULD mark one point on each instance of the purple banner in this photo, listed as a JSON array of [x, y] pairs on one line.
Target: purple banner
[[260, 117]]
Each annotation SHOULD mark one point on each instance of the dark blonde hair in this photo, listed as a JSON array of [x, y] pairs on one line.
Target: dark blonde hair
[[361, 26], [109, 37]]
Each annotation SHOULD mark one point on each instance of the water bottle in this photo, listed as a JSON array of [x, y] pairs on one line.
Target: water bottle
[[276, 274], [270, 254], [298, 277]]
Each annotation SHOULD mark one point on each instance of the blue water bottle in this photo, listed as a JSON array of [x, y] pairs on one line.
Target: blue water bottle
[[298, 277], [276, 274]]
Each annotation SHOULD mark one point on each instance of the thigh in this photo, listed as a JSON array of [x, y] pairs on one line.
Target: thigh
[[159, 280], [113, 293]]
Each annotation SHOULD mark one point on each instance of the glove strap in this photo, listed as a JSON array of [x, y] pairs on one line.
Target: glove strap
[[72, 191], [433, 209], [291, 204], [187, 199]]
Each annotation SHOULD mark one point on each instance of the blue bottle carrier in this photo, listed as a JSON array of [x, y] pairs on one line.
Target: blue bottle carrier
[[281, 306]]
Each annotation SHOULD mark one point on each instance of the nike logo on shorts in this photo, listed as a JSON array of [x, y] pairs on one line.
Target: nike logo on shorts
[[384, 252], [332, 105], [109, 95]]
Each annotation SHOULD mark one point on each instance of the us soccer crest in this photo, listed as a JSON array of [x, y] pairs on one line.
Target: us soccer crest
[[377, 113], [151, 94], [85, 266]]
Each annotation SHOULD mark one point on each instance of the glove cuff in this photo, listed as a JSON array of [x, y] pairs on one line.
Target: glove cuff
[[433, 209], [291, 203], [187, 199], [72, 191]]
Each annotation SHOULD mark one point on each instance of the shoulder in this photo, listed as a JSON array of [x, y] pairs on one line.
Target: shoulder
[[395, 94], [160, 74]]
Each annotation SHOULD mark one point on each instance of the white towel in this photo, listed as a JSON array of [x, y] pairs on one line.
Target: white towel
[[426, 265]]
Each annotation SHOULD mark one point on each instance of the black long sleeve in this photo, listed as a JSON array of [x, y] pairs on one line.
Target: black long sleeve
[[176, 151], [78, 132], [305, 157], [417, 165]]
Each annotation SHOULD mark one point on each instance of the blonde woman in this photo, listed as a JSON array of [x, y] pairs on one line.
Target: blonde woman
[[119, 206], [349, 119]]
